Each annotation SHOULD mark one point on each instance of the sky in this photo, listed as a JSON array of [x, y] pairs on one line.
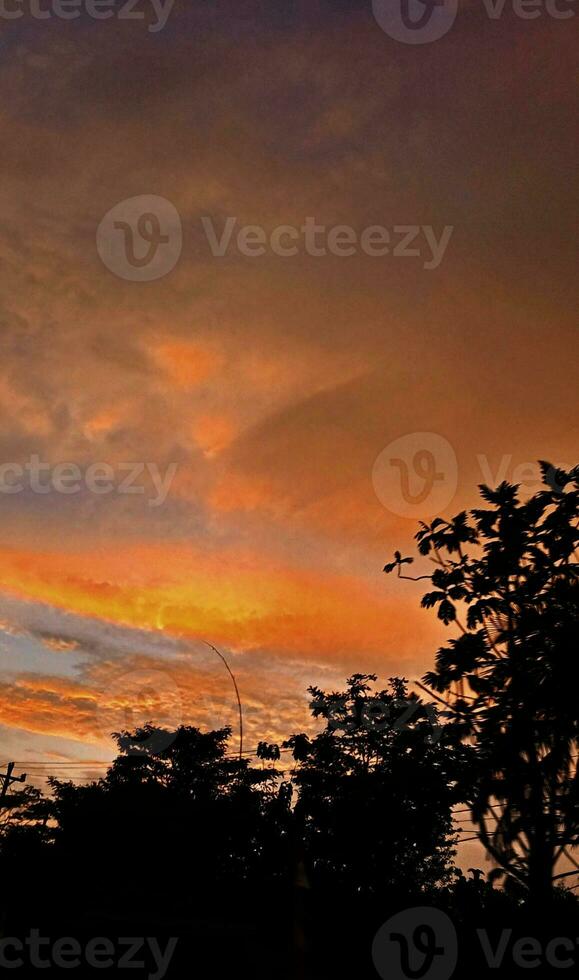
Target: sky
[[258, 399]]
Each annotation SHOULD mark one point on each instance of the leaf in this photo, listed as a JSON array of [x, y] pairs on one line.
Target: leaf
[[431, 598], [554, 477], [398, 561], [446, 612]]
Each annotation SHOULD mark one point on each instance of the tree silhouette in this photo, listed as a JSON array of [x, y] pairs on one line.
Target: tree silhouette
[[209, 810], [375, 789], [263, 868], [506, 576]]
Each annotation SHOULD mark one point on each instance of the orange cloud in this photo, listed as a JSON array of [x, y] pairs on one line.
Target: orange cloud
[[185, 364], [299, 371], [213, 432], [103, 422], [240, 599], [186, 685]]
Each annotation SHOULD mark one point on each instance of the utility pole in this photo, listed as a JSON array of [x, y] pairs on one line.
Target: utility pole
[[7, 780]]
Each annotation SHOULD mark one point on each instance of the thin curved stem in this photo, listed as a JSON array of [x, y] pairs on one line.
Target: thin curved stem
[[232, 675]]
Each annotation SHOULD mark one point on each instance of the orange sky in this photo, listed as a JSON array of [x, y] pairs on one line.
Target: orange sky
[[269, 385]]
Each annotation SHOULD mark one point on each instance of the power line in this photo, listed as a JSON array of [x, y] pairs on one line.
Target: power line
[[101, 762], [69, 762]]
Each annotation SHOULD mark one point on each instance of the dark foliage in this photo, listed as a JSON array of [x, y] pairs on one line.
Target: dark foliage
[[264, 871], [506, 577]]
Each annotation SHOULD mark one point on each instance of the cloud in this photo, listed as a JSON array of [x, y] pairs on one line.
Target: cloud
[[272, 383], [125, 677], [242, 599]]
